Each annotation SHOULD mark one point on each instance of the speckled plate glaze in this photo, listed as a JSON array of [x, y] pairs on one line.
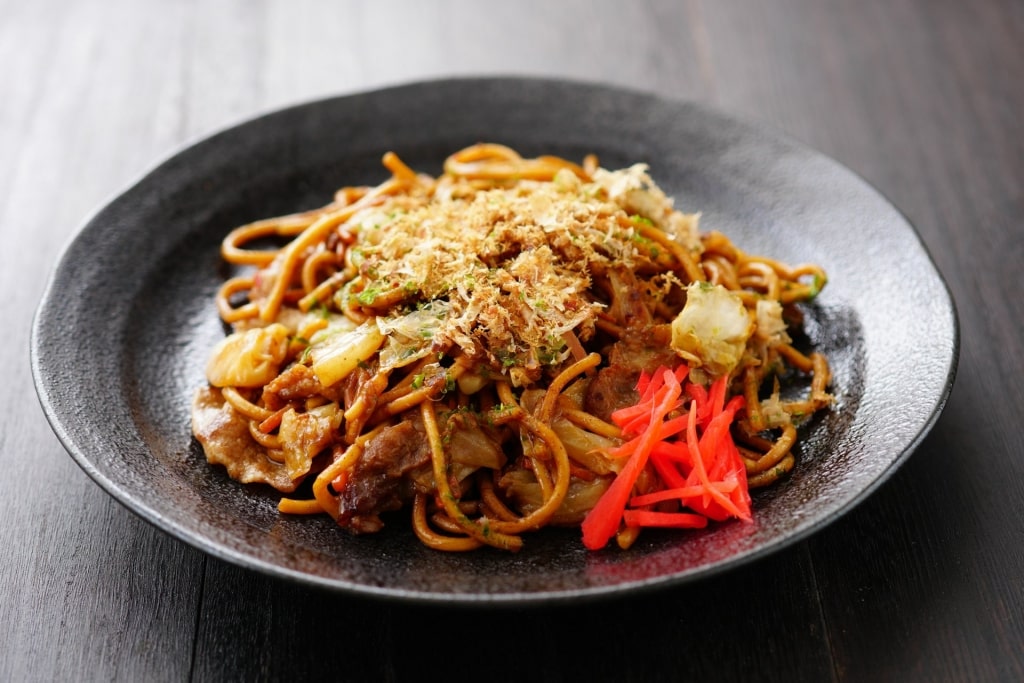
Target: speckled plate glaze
[[124, 328]]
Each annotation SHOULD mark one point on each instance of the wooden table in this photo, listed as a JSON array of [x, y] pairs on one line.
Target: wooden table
[[924, 581]]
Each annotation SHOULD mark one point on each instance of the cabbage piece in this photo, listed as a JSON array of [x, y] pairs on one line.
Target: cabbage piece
[[773, 412], [409, 336], [468, 444], [248, 359], [583, 446], [336, 324], [335, 356], [524, 492], [304, 435], [712, 330], [771, 327]]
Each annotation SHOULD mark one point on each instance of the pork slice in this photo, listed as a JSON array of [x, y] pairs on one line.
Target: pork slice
[[298, 382], [377, 482], [224, 435], [614, 386]]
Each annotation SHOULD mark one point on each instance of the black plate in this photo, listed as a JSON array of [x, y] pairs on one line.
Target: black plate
[[124, 328]]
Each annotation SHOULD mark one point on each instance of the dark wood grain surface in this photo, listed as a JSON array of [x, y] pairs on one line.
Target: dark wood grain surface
[[924, 581]]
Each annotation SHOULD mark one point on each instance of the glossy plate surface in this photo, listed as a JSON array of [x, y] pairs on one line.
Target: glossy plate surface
[[124, 328]]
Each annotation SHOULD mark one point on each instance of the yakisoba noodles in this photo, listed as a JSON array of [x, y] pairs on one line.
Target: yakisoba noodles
[[475, 348]]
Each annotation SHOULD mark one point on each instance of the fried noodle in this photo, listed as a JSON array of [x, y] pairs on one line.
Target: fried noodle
[[455, 345]]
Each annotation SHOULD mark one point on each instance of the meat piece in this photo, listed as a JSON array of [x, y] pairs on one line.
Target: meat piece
[[248, 359], [298, 382], [224, 435], [614, 386], [377, 482]]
